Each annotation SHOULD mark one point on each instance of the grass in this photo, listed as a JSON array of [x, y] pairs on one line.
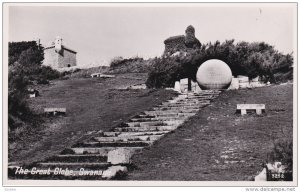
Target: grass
[[92, 105], [218, 145]]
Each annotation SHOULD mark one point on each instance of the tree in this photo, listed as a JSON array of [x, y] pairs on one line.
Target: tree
[[25, 59], [15, 49]]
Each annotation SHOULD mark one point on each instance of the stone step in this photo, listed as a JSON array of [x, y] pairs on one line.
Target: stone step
[[127, 134], [184, 104], [188, 101], [154, 123], [162, 113], [196, 107], [95, 144], [128, 138], [193, 102], [175, 115], [158, 119], [102, 151], [144, 116], [145, 124], [179, 104], [145, 129], [201, 95], [208, 96], [174, 107], [204, 95], [178, 110], [96, 158]]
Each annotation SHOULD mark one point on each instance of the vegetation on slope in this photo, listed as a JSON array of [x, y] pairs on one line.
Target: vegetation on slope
[[129, 65], [250, 59], [25, 69]]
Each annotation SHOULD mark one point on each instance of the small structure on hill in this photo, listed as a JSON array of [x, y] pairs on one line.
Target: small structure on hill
[[258, 108], [33, 93], [93, 75], [101, 75], [55, 111], [58, 55]]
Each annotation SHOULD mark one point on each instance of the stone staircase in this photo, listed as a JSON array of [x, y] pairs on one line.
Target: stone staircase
[[107, 155]]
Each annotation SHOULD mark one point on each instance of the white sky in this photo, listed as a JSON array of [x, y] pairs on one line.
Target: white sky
[[101, 33]]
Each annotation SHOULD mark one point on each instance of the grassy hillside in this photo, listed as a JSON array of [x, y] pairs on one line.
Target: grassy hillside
[[92, 104], [218, 145]]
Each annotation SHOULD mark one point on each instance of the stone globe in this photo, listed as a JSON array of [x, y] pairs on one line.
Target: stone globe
[[214, 74]]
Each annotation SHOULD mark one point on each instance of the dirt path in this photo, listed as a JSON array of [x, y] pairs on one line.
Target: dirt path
[[92, 105], [218, 145]]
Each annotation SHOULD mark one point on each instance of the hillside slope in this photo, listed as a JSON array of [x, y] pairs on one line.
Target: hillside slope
[[218, 145], [92, 105]]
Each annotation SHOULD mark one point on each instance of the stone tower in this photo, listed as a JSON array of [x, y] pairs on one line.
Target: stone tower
[[58, 44], [190, 40], [182, 42]]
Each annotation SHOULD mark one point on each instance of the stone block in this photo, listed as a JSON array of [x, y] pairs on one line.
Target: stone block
[[112, 171], [234, 83], [119, 156], [177, 86], [262, 176]]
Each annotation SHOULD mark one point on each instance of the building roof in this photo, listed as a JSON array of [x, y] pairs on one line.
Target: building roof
[[63, 46]]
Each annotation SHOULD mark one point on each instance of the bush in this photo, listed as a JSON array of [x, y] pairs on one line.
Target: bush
[[85, 73], [49, 73], [17, 104], [25, 59], [164, 72], [283, 152], [130, 65], [16, 49]]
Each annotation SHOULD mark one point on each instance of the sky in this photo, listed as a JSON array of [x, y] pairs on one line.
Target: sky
[[101, 32]]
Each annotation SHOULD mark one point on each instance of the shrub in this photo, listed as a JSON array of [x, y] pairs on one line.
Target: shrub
[[129, 65], [17, 105], [16, 49], [283, 152], [25, 59], [164, 72], [49, 73]]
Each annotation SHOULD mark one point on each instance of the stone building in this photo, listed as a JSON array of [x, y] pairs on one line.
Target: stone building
[[58, 55], [182, 42], [174, 43]]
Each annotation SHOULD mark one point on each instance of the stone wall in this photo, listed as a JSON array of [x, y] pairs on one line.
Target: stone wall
[[65, 58], [182, 42], [173, 44], [50, 58]]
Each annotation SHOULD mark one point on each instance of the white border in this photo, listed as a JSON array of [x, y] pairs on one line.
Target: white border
[[16, 183]]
